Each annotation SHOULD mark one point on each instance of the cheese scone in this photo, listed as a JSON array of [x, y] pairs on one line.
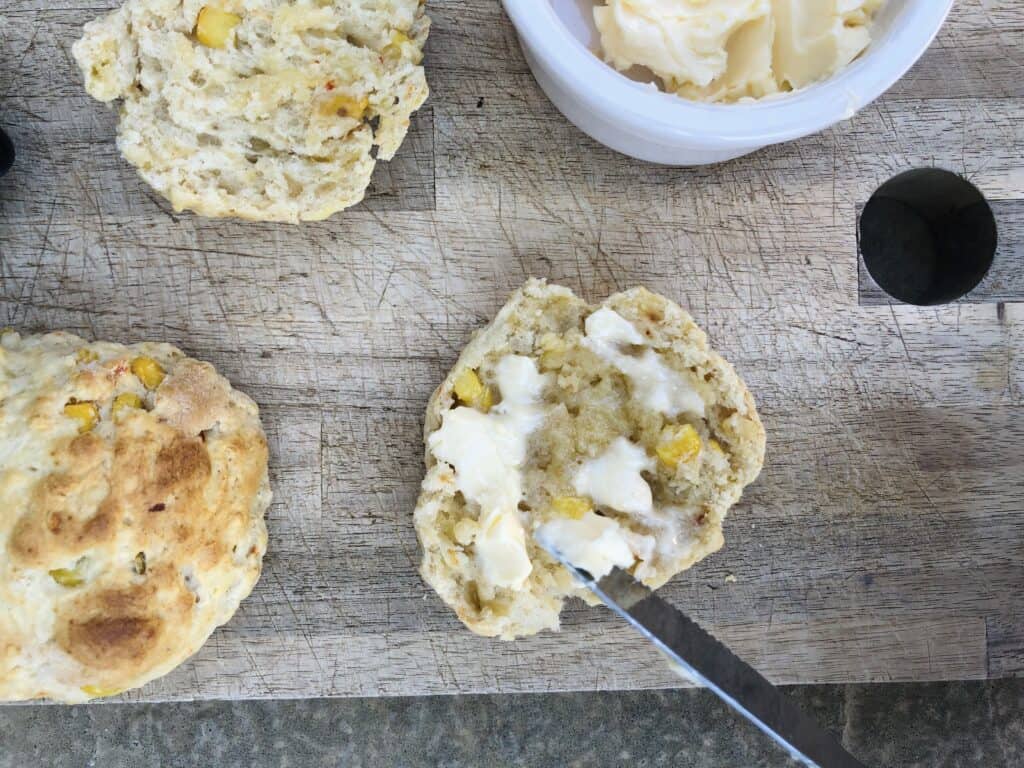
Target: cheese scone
[[614, 433], [133, 484], [260, 109]]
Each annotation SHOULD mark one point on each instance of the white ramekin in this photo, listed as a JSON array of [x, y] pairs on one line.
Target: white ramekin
[[641, 121]]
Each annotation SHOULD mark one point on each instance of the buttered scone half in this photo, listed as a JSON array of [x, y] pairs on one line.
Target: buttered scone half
[[133, 484], [260, 109], [614, 433]]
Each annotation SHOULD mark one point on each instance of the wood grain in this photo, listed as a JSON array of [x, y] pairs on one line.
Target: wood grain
[[885, 538]]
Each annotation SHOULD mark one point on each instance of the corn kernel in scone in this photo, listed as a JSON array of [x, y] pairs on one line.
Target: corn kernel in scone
[[574, 507], [148, 371], [126, 401], [471, 391], [347, 106], [679, 444], [213, 26], [86, 414], [401, 45], [67, 577]]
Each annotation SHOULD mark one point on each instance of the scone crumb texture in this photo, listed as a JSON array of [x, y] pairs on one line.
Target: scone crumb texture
[[258, 109], [612, 433]]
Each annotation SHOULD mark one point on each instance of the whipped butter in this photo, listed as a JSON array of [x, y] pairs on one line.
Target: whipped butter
[[725, 50], [594, 543], [613, 338], [613, 479], [487, 451]]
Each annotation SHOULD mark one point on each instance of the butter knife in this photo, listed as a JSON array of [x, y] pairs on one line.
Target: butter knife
[[698, 656]]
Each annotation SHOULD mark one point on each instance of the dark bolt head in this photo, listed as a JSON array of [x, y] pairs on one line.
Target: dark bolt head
[[927, 236]]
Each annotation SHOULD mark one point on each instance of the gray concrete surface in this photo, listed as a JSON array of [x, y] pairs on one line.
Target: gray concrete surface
[[936, 725]]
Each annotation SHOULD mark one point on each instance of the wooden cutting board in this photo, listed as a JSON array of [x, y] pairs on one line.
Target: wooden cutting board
[[885, 538]]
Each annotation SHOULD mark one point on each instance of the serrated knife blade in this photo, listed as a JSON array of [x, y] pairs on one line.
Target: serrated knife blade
[[705, 660]]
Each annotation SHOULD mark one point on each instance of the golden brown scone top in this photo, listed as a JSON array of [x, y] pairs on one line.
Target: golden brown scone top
[[132, 491]]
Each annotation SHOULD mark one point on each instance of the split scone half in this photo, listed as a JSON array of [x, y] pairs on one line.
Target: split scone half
[[259, 109], [613, 432], [133, 484]]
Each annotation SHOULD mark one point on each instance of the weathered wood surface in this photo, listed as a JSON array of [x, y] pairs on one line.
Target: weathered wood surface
[[885, 538]]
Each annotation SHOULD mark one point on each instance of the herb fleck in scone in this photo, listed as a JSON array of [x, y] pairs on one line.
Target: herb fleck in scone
[[259, 109], [613, 432], [133, 484]]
